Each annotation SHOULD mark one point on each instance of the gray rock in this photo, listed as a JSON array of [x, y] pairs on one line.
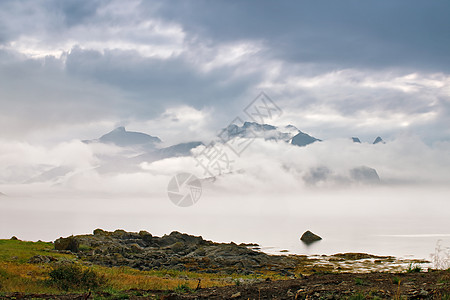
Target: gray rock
[[70, 243], [99, 231], [41, 259], [308, 237]]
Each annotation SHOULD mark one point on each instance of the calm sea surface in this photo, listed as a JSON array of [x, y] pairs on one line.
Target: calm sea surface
[[401, 222]]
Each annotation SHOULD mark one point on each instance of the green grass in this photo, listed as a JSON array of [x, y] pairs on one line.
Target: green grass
[[183, 288], [21, 252], [17, 275]]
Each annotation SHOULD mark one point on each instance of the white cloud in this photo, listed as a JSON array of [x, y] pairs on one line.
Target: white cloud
[[179, 124]]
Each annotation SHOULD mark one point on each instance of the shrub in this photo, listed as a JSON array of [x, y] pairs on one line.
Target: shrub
[[74, 277]]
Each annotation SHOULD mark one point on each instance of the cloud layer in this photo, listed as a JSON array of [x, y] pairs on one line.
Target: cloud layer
[[77, 68]]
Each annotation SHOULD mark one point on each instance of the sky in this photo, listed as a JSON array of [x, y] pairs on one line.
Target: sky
[[182, 70]]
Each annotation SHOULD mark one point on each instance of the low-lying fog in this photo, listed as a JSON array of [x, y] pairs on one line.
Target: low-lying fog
[[272, 194]]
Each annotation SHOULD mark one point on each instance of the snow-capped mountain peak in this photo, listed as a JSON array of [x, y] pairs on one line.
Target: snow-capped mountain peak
[[256, 130]]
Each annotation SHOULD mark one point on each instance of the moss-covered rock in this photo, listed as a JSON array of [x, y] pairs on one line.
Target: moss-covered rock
[[70, 243]]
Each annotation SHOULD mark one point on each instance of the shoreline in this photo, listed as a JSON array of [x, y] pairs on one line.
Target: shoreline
[[138, 265]]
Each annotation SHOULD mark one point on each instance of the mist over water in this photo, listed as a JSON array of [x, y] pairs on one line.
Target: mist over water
[[399, 221]]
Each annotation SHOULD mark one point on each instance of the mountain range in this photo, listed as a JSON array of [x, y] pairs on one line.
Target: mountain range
[[140, 147]]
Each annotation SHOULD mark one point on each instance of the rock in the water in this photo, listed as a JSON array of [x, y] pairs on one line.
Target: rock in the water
[[308, 237]]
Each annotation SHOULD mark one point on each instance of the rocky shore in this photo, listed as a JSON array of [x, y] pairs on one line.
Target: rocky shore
[[183, 252]]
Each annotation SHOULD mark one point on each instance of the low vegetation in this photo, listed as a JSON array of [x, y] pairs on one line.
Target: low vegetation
[[68, 274]]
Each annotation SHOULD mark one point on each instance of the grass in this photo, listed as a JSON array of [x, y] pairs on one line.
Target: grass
[[413, 268], [20, 252], [359, 281], [183, 288], [357, 296], [17, 275]]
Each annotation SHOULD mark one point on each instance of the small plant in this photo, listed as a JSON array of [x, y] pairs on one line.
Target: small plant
[[398, 294], [413, 268], [359, 281], [183, 288], [396, 280], [441, 257], [445, 297], [443, 279], [357, 296], [74, 277]]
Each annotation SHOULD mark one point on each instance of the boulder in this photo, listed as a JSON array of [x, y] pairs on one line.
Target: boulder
[[69, 243], [146, 236], [308, 237], [99, 231]]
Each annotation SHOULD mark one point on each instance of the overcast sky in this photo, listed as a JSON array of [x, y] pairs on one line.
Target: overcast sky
[[77, 69]]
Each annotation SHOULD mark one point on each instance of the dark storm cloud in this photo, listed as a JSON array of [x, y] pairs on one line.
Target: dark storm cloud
[[76, 12], [373, 34], [153, 83], [39, 94]]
